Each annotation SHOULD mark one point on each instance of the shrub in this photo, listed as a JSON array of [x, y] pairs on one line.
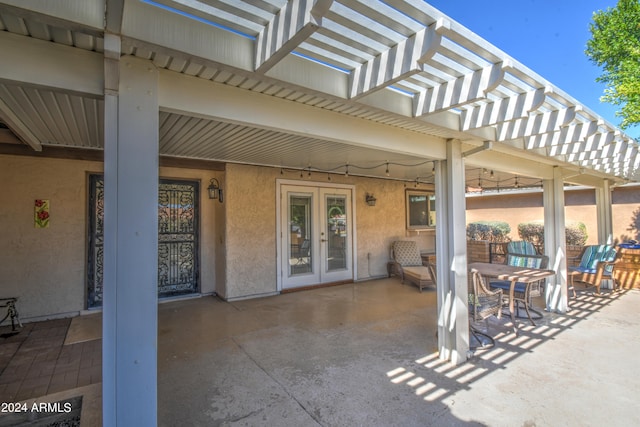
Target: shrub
[[492, 231], [576, 233], [532, 232]]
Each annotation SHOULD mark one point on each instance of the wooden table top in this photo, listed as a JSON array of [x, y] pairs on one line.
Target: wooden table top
[[509, 272]]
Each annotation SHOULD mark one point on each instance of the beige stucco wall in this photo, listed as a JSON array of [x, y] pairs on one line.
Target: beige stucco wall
[[46, 268], [250, 237], [251, 223], [380, 225], [580, 207]]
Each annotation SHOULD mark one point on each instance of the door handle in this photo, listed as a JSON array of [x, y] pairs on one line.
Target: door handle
[[323, 240]]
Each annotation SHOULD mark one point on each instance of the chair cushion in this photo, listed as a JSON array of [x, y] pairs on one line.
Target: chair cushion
[[605, 272], [521, 247], [524, 261], [420, 273], [506, 285], [594, 254], [405, 252]]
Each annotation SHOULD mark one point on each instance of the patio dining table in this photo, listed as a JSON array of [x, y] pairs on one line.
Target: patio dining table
[[514, 275]]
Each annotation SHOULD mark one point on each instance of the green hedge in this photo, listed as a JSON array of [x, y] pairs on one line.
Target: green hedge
[[498, 231], [493, 231], [576, 233]]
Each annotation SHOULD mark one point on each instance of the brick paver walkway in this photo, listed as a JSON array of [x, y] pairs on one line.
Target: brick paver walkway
[[35, 362]]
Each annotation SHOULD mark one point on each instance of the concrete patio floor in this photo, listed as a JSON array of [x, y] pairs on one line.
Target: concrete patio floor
[[354, 355]]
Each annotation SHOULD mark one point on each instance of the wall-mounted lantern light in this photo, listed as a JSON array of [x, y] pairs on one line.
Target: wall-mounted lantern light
[[215, 192], [370, 199]]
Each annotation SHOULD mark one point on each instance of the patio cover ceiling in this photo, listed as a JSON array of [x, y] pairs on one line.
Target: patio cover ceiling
[[387, 84]]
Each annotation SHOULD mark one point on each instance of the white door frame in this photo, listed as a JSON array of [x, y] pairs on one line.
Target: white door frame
[[280, 232]]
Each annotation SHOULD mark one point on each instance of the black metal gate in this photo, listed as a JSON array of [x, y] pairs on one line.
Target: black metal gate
[[178, 269]]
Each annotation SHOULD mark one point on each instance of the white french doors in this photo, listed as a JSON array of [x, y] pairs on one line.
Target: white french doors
[[316, 230]]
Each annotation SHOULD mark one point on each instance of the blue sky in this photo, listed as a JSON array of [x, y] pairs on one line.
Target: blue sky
[[548, 36]]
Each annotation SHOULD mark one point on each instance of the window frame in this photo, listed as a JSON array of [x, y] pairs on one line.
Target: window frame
[[430, 210]]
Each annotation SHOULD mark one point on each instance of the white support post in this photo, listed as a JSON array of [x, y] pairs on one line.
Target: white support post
[[130, 295], [451, 247], [555, 243], [604, 212]]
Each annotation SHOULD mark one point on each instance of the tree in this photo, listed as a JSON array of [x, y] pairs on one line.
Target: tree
[[615, 47]]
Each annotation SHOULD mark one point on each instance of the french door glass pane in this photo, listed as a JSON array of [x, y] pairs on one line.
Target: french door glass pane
[[336, 232], [300, 250]]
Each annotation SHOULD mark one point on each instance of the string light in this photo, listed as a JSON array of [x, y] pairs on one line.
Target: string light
[[490, 183], [347, 171]]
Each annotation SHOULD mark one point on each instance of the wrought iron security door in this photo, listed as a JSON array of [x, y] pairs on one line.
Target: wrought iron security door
[[177, 239]]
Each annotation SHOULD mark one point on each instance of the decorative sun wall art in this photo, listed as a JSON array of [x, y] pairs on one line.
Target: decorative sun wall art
[[41, 213]]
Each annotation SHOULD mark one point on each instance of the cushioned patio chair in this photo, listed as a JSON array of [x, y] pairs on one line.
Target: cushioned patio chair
[[521, 247], [483, 303], [524, 293], [408, 264], [596, 264]]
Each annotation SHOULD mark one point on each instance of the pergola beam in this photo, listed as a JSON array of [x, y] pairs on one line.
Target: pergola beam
[[536, 124], [192, 96], [463, 90], [502, 110], [19, 127], [397, 63], [295, 22], [574, 133], [67, 68]]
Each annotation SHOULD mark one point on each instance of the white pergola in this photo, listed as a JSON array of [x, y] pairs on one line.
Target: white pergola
[[317, 85]]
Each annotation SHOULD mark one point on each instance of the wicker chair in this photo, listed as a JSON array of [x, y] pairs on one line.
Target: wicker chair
[[483, 303], [408, 264]]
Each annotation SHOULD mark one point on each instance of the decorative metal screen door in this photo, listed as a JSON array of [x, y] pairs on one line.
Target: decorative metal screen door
[[177, 239]]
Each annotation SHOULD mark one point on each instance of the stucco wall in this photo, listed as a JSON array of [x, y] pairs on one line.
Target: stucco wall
[[250, 234], [380, 225], [250, 231], [46, 267], [580, 207]]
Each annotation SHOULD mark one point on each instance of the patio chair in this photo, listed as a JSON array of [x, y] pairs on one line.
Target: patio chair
[[596, 264], [408, 264], [522, 247], [483, 303], [524, 292], [303, 252]]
